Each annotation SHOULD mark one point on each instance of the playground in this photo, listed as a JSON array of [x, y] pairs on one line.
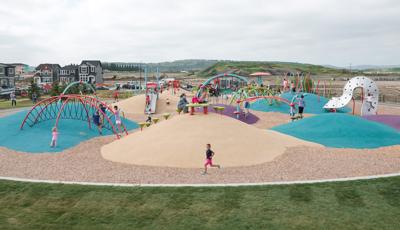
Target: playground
[[256, 130]]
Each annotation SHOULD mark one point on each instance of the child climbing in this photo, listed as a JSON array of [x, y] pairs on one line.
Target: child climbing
[[369, 99], [97, 122], [209, 155], [54, 137]]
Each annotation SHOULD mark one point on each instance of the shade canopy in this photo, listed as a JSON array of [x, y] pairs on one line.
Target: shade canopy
[[260, 74]]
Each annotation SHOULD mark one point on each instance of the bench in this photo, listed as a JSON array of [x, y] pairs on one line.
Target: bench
[[198, 105], [218, 109], [142, 125]]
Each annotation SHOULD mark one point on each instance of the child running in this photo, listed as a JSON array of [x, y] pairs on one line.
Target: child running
[[54, 137], [209, 155]]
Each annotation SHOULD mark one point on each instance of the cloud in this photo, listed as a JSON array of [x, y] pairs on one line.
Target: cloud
[[313, 31]]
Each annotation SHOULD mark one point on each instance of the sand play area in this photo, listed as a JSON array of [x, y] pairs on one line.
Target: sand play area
[[180, 142]]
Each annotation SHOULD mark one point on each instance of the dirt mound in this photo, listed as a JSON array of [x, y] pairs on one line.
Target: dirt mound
[[181, 141]]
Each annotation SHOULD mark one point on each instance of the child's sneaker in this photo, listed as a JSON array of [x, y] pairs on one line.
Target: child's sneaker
[[203, 173]]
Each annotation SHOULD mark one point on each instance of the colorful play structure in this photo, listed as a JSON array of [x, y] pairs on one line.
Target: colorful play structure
[[222, 82], [151, 97], [369, 96], [244, 91], [79, 84], [71, 107]]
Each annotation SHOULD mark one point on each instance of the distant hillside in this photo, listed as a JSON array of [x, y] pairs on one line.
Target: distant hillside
[[174, 66], [245, 68], [376, 67]]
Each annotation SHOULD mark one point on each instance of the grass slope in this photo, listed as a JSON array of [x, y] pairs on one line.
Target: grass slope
[[373, 204], [277, 68]]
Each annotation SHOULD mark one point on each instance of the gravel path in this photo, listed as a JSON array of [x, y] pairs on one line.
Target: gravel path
[[84, 163]]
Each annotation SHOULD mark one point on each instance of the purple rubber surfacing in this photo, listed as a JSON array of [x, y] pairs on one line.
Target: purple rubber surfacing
[[229, 111], [390, 120]]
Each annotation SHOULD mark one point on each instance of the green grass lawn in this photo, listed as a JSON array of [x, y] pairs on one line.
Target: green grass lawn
[[107, 94], [21, 102], [372, 204]]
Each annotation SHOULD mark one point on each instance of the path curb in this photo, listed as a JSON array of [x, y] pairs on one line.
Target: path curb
[[201, 185]]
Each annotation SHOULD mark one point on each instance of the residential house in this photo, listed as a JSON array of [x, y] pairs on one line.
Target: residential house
[[46, 73], [20, 68], [7, 78], [69, 73], [91, 71]]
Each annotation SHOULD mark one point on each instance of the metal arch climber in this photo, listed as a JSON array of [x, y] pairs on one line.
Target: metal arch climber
[[74, 107], [78, 82], [265, 97], [222, 75]]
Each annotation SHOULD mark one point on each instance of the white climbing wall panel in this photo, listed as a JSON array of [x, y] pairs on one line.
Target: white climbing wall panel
[[371, 95]]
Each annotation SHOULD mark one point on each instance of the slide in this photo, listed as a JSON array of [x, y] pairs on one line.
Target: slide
[[370, 97], [152, 103]]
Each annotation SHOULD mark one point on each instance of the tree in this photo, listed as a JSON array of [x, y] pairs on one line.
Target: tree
[[55, 89], [34, 88]]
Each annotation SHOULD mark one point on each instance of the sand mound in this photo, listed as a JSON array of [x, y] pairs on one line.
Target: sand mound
[[180, 142], [135, 104]]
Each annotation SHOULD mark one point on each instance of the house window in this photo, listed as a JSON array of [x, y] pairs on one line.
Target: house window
[[92, 69], [10, 71], [1, 70], [84, 69], [83, 78]]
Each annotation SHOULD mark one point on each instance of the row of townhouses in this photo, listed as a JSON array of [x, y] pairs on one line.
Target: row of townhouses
[[7, 78], [90, 71]]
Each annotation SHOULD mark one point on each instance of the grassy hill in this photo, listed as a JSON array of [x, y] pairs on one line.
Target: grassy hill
[[174, 66], [245, 68]]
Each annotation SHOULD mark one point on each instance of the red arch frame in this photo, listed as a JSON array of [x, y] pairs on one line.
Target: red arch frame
[[83, 99]]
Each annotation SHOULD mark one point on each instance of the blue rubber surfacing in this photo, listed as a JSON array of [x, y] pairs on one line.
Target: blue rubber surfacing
[[342, 131], [314, 104], [37, 139]]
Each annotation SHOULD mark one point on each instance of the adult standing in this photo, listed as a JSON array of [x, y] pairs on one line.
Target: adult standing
[[13, 99], [34, 98]]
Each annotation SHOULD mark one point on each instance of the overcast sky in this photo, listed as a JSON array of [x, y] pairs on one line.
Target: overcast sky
[[311, 31]]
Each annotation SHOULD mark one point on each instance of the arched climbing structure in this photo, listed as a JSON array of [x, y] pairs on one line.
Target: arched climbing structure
[[75, 107], [222, 75]]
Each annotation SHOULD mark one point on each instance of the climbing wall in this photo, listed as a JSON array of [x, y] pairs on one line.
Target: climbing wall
[[371, 95]]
